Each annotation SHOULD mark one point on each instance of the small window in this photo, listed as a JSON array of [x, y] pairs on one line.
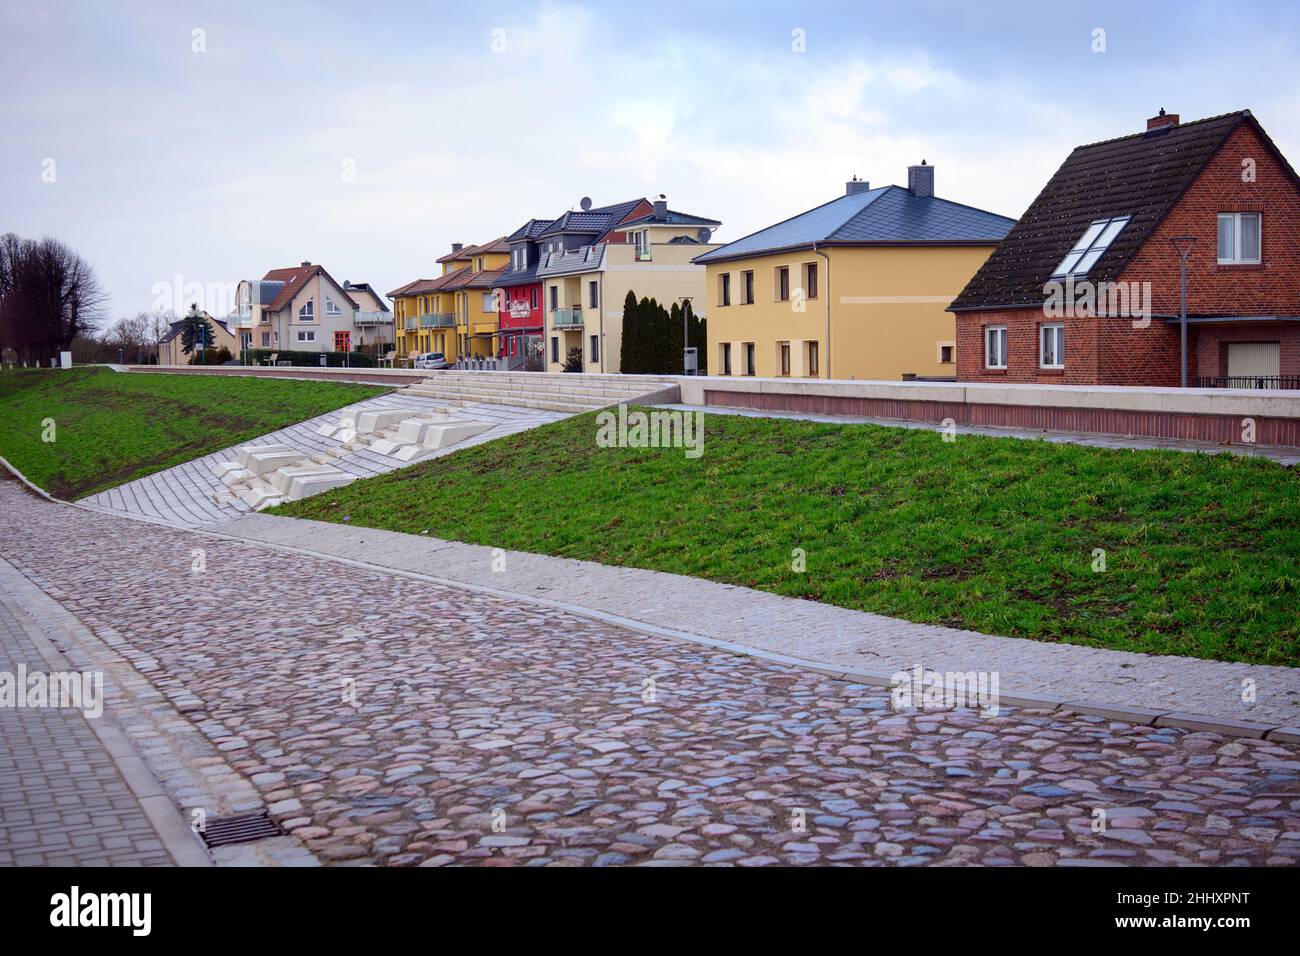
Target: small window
[[595, 348], [1051, 341], [555, 298], [810, 280], [555, 348], [726, 358], [1096, 239], [308, 312], [266, 339], [1238, 238], [748, 279], [945, 354], [593, 295], [331, 308], [532, 298], [783, 352], [812, 358], [783, 284], [724, 289], [749, 358], [995, 346], [488, 304], [307, 336]]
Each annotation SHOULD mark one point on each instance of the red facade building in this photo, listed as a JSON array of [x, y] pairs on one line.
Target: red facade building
[[1085, 289]]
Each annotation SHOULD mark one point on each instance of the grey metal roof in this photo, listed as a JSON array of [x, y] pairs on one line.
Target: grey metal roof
[[529, 230], [592, 221], [887, 215], [265, 290], [510, 277], [586, 259]]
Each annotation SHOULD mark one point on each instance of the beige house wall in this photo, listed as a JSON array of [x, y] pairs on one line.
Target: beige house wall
[[881, 308]]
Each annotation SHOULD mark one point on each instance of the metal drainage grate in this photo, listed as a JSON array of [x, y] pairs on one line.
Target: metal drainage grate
[[244, 828]]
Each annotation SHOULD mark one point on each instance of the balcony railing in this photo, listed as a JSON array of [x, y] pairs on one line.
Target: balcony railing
[[373, 318], [567, 318], [1249, 381], [437, 320], [412, 323]]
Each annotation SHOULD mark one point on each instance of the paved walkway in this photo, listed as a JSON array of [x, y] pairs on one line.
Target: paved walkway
[[1283, 456], [394, 720], [830, 637], [184, 495], [72, 793]]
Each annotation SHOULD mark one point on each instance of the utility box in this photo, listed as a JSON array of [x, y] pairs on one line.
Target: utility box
[[322, 359], [690, 361], [65, 360]]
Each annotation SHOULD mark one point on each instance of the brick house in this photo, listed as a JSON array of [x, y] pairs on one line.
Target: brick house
[[1084, 290]]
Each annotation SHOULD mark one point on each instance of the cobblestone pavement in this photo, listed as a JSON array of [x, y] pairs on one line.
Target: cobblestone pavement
[[811, 631], [183, 495], [395, 721], [1283, 456], [63, 801]]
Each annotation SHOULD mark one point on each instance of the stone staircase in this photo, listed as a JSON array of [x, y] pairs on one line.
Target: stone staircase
[[572, 393]]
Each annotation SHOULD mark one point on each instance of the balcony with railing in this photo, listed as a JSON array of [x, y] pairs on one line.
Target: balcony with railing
[[567, 318], [412, 323], [1249, 381], [437, 320], [372, 318]]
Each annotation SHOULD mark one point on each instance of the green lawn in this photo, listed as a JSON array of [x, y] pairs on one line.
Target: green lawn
[[111, 427], [993, 534]]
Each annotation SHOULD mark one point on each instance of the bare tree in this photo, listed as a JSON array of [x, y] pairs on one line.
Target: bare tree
[[158, 324], [48, 296]]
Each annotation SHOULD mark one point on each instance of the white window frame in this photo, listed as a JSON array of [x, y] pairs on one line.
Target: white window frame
[[308, 311], [1057, 329], [488, 304], [1235, 258], [1092, 245], [988, 331], [307, 335], [331, 307]]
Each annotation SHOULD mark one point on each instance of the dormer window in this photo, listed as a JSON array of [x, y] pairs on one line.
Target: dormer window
[[331, 308], [308, 312], [1096, 240]]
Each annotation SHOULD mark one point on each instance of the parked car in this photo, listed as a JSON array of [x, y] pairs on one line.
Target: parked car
[[432, 360]]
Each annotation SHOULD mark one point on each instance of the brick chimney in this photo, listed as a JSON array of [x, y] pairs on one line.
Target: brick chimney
[[920, 179], [856, 185], [661, 207], [457, 246], [1162, 120], [306, 263]]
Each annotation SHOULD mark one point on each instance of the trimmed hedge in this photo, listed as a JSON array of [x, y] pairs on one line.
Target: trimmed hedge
[[301, 358]]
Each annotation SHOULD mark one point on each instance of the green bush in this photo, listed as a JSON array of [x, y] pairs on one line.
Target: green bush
[[211, 356]]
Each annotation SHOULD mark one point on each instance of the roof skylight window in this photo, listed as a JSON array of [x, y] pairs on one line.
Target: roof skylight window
[[1096, 240]]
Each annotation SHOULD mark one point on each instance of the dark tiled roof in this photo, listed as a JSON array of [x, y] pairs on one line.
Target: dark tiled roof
[[511, 277], [481, 280], [1143, 176], [529, 230], [294, 279], [888, 215], [673, 218], [597, 221]]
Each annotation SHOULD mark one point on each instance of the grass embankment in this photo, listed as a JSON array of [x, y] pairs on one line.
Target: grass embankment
[[112, 427], [1202, 553]]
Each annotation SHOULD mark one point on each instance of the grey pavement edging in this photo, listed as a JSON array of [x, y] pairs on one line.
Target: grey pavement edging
[[1129, 714], [176, 837]]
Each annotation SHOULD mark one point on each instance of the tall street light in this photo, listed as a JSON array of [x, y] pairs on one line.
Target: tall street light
[[1183, 246]]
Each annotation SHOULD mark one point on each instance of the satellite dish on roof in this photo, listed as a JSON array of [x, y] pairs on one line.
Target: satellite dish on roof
[[585, 203], [705, 234]]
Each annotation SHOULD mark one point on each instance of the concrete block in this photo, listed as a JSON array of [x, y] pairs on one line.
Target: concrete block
[[412, 429], [236, 476], [386, 446], [377, 421], [259, 494], [304, 486], [264, 462], [440, 436], [245, 451], [411, 452], [282, 479]]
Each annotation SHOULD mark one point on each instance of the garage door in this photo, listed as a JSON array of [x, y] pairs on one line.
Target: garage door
[[1254, 360]]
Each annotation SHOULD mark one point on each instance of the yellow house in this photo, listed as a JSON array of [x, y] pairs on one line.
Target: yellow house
[[171, 349], [455, 313], [855, 288]]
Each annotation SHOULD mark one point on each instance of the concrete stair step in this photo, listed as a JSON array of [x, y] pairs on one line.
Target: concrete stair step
[[522, 402]]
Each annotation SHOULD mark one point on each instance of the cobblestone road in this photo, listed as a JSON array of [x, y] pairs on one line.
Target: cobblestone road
[[496, 732]]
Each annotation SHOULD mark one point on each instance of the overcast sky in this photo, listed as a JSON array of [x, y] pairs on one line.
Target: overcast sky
[[369, 136]]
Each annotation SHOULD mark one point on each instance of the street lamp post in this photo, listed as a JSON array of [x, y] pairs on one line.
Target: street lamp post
[[685, 300], [1183, 246]]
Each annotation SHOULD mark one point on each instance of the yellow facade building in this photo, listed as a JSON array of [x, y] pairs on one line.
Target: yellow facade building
[[855, 288], [453, 314]]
